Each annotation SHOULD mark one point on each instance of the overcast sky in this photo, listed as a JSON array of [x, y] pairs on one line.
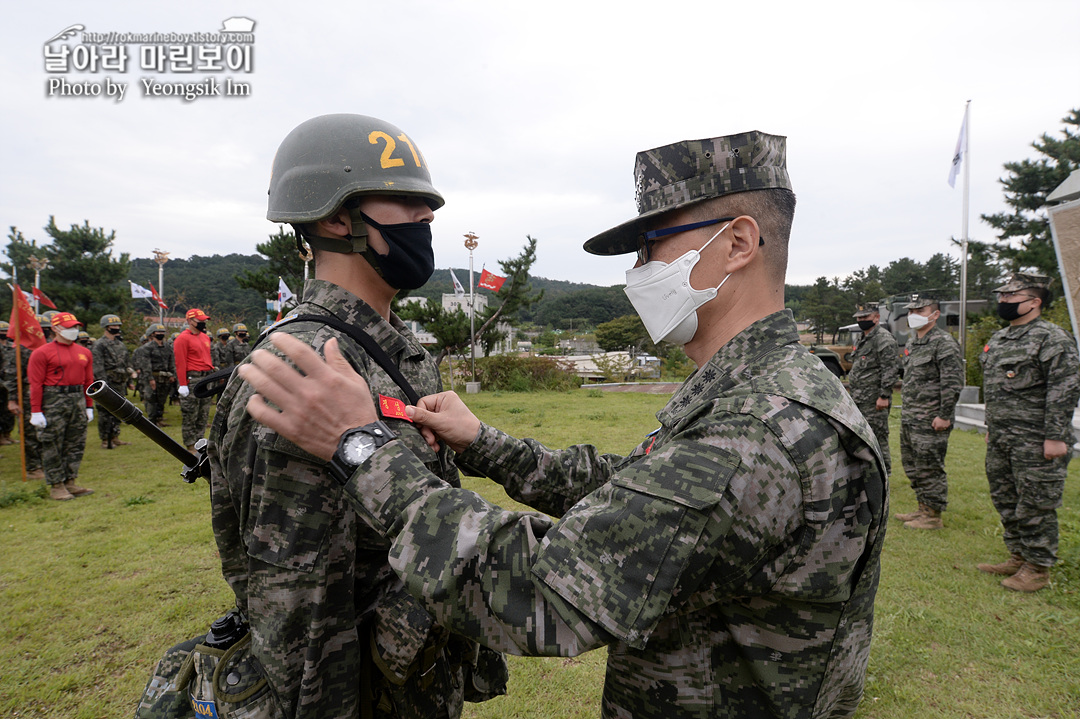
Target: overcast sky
[[529, 115]]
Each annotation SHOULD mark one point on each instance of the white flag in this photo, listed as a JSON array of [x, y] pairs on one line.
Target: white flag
[[283, 292], [458, 289], [958, 155], [138, 291]]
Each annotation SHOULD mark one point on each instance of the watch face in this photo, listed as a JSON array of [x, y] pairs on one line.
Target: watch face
[[357, 448]]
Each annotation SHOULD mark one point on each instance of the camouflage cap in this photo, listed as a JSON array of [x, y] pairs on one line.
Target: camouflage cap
[[921, 300], [1024, 281], [865, 310], [681, 174]]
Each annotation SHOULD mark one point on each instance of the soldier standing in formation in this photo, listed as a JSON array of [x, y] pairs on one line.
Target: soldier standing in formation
[[874, 373], [217, 349], [933, 378], [730, 563], [27, 431], [1031, 382], [156, 366], [238, 347], [191, 350], [111, 365], [7, 417], [59, 374]]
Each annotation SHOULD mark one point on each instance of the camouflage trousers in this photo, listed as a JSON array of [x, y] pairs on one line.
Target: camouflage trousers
[[1026, 489], [194, 412], [155, 399], [922, 452], [33, 444], [63, 439], [7, 419], [108, 427], [878, 419]]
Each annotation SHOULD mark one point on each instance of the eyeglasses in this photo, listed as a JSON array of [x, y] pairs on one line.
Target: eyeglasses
[[647, 239]]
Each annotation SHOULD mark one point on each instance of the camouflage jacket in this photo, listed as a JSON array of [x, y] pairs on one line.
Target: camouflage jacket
[[1031, 382], [876, 368], [111, 361], [236, 350], [151, 358], [933, 378], [304, 569], [219, 355], [730, 561], [11, 379]]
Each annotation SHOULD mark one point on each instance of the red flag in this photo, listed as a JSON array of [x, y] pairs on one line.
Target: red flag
[[40, 296], [24, 327], [490, 281], [161, 302]]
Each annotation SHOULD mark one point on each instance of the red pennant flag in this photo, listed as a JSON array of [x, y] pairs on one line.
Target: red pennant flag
[[23, 326], [157, 297], [40, 296], [490, 281]]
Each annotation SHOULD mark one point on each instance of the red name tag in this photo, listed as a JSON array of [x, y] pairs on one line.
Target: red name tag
[[392, 408]]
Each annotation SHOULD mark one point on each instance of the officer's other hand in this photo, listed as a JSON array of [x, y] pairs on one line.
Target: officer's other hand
[[446, 416], [38, 420], [89, 414], [182, 391], [939, 424], [1054, 448], [311, 410], [882, 403]]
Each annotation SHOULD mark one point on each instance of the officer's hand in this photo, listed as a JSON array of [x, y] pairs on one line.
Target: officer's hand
[[315, 408], [183, 391], [939, 424], [1054, 448], [446, 416], [882, 403], [38, 420], [13, 406], [89, 414]]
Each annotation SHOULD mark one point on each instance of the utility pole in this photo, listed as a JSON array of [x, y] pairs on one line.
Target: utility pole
[[161, 258], [38, 266], [470, 245]]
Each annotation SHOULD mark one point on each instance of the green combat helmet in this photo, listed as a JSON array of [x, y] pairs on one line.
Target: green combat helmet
[[239, 327], [331, 158], [222, 332], [155, 327], [84, 338], [45, 322], [48, 315], [4, 327], [107, 320]]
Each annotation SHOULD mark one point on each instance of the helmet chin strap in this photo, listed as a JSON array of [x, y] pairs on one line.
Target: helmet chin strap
[[353, 243]]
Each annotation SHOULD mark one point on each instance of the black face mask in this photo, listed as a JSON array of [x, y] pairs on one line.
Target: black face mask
[[113, 330], [1010, 311], [201, 326], [159, 338], [410, 261], [866, 325], [242, 337]]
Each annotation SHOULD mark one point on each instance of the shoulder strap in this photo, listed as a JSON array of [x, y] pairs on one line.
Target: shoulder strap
[[214, 384]]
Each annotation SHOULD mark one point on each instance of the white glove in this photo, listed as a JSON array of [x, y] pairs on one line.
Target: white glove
[[183, 390], [38, 420], [89, 414]]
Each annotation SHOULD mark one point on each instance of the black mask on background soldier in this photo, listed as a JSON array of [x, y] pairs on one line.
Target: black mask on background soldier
[[410, 261], [1010, 311], [866, 325]]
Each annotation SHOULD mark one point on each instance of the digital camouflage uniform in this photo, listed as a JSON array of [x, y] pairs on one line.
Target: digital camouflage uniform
[[33, 446], [111, 365], [7, 419], [1031, 386], [236, 351], [312, 579], [873, 374], [933, 378], [63, 439], [730, 562], [219, 355], [154, 361]]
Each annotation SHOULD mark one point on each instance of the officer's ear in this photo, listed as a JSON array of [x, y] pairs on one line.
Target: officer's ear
[[337, 225]]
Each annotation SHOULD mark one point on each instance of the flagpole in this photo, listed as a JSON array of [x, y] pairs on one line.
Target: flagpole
[[38, 266], [470, 244], [15, 290], [964, 244], [161, 258]]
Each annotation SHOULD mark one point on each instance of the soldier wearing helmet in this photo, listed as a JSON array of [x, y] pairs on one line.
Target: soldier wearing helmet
[[217, 349], [238, 347], [10, 373], [323, 602], [156, 365], [111, 365]]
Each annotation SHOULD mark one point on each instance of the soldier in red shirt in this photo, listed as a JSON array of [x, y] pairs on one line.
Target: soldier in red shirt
[[59, 374], [193, 362]]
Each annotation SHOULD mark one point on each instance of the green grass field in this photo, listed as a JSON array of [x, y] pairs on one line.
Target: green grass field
[[92, 591]]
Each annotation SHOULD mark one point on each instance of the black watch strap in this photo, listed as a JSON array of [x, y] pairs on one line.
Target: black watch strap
[[340, 468]]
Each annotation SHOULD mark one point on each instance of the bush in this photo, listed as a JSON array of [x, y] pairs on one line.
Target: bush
[[510, 373]]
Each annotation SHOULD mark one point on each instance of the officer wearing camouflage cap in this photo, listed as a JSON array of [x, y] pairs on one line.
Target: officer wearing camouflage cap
[[112, 365], [730, 562], [333, 631], [1031, 386], [156, 366], [933, 378], [873, 374]]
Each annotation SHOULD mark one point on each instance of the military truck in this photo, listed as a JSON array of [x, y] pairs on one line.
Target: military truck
[[838, 357]]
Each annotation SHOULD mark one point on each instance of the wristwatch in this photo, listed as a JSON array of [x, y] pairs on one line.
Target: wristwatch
[[355, 446]]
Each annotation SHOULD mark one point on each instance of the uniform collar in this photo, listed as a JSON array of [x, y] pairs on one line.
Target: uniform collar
[[393, 336]]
